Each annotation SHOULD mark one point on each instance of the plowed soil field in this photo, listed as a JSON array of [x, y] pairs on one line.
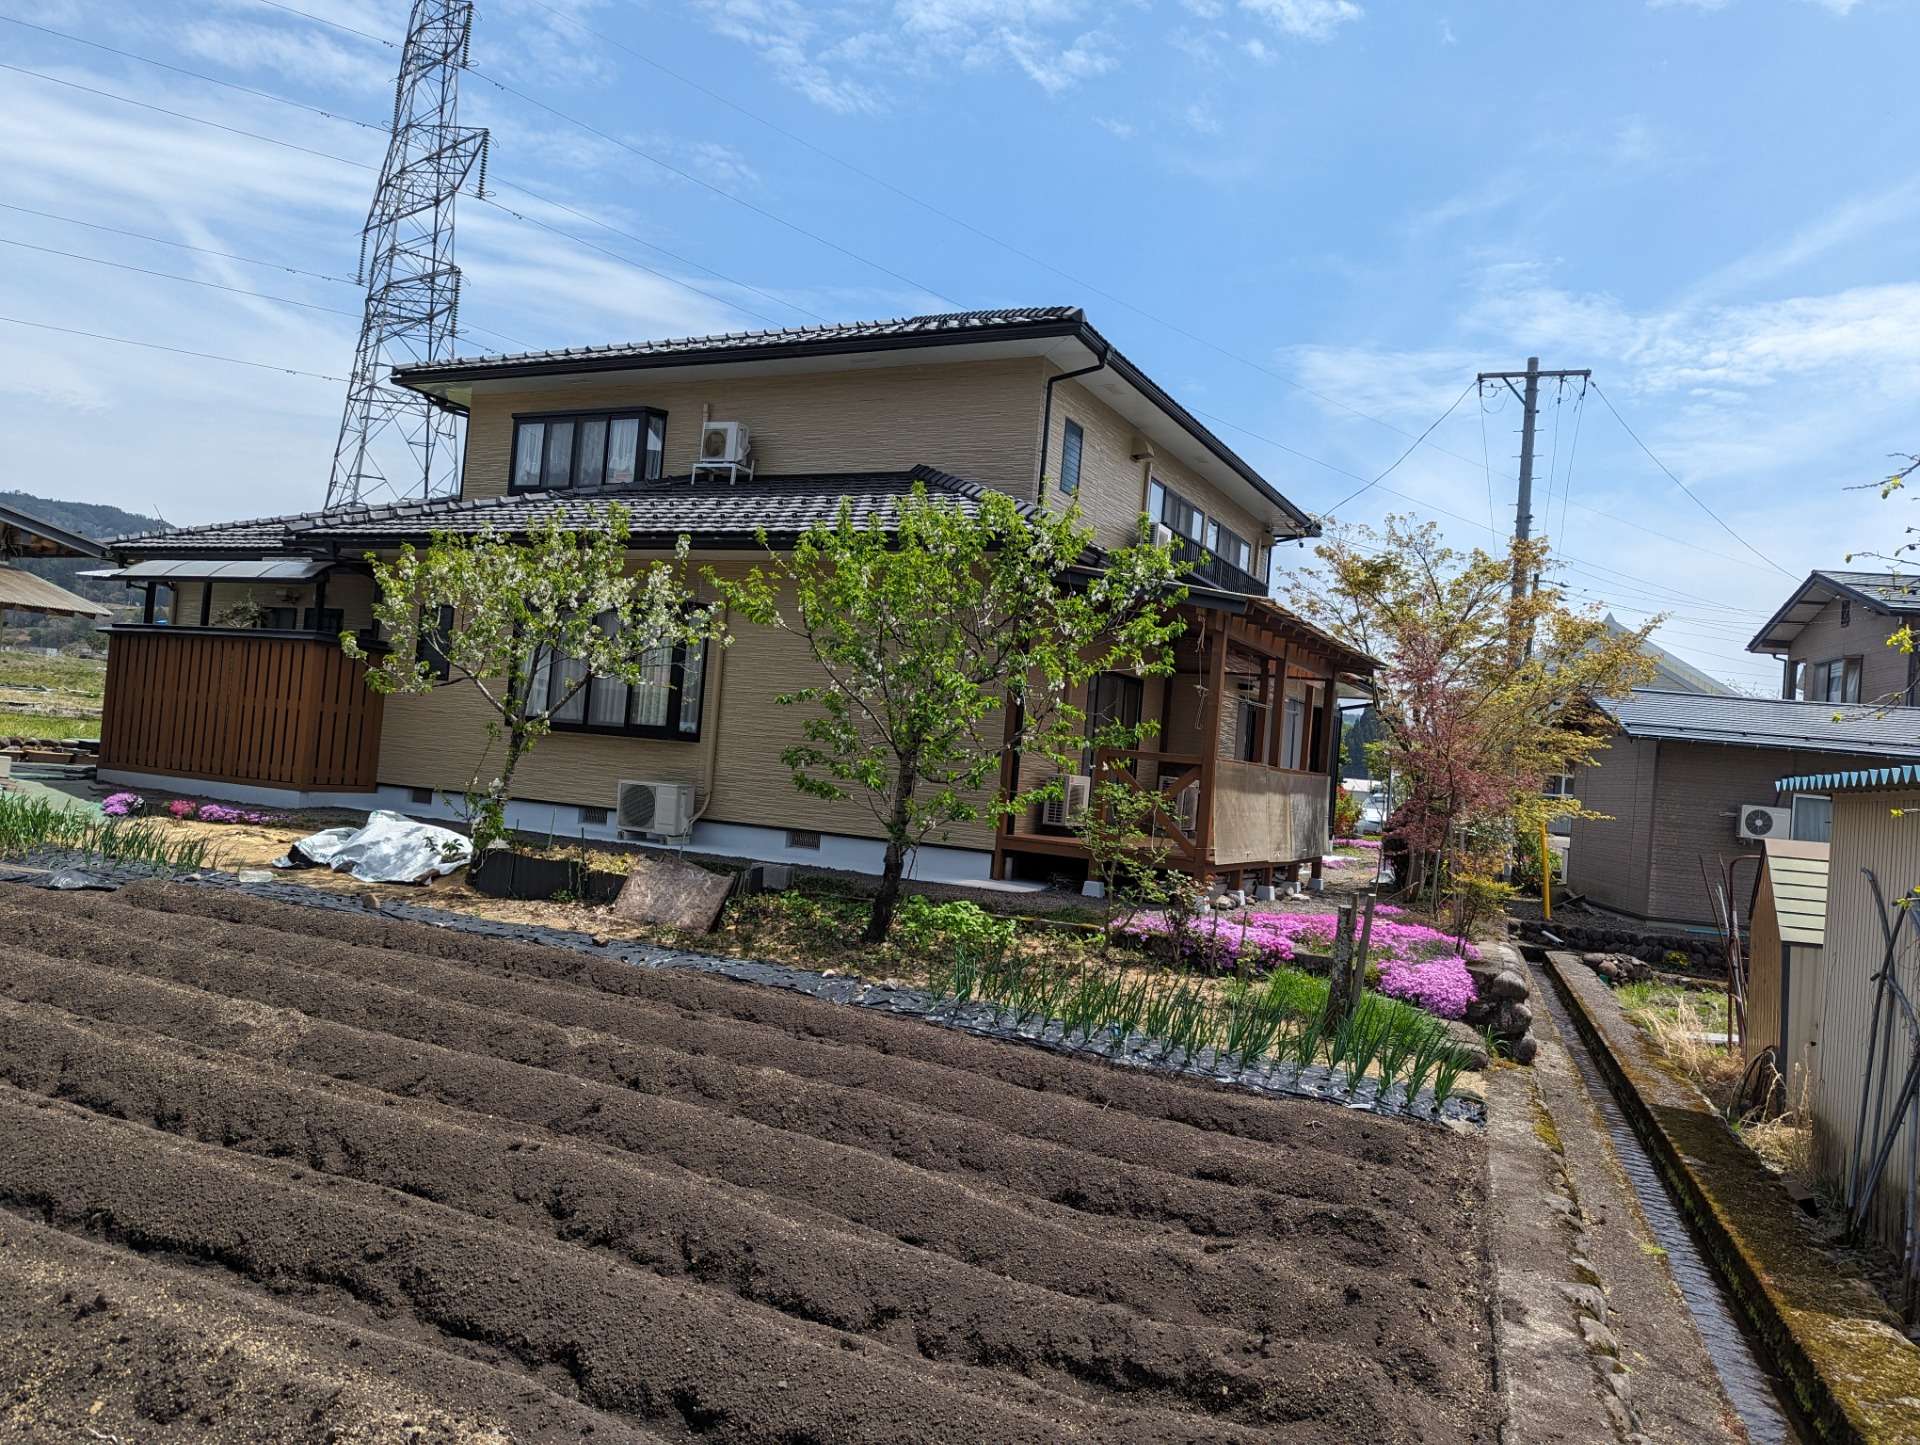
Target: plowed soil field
[[277, 1173]]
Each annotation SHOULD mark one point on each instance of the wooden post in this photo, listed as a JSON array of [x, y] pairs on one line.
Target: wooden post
[[1210, 737], [1342, 992]]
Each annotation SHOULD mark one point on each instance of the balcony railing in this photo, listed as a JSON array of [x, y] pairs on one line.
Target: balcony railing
[[1208, 570], [272, 709]]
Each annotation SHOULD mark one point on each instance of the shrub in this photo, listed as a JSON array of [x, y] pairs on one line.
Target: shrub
[[1347, 808], [926, 927]]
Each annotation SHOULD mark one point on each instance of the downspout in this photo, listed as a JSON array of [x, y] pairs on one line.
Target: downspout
[[716, 678], [1046, 416]]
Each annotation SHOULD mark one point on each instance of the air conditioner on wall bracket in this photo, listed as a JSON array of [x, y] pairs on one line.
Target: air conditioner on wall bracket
[[1758, 821], [1067, 809], [661, 810]]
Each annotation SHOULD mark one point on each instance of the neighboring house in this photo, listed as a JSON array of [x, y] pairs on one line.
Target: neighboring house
[[1876, 827], [1032, 403], [1831, 639], [1682, 772], [24, 536], [1670, 673]]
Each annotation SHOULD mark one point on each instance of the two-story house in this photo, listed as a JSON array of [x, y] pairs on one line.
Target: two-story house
[[234, 684], [1690, 778]]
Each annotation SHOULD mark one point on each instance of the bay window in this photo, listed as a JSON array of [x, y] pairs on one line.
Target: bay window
[[554, 451]]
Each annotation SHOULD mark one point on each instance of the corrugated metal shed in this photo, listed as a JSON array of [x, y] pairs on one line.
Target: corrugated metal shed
[[1797, 874]]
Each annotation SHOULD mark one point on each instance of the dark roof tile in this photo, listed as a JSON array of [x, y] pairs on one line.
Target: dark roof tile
[[1769, 722]]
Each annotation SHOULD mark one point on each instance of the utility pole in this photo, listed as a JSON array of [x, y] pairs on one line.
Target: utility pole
[[1529, 394]]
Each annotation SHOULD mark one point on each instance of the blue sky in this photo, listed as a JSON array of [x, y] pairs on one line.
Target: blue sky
[[1344, 209]]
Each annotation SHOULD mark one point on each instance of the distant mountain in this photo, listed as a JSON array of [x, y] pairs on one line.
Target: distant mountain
[[89, 519]]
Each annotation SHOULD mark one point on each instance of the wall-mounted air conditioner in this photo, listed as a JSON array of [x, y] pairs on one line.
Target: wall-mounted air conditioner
[[1757, 822], [1162, 534], [724, 443], [1067, 809], [661, 810]]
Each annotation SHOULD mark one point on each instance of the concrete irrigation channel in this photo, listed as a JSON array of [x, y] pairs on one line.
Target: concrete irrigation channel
[[1752, 1387], [289, 1173]]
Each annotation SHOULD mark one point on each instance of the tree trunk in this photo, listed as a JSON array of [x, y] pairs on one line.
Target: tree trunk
[[880, 920], [493, 823]]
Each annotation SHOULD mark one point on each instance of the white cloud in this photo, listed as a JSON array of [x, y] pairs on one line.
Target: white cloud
[[1053, 70], [1306, 19], [1119, 129], [1199, 116], [1259, 51], [1850, 222]]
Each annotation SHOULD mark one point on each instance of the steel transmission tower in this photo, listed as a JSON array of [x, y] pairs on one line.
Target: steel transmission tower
[[395, 445]]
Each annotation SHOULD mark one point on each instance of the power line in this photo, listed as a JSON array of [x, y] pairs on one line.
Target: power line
[[337, 25], [721, 191], [181, 245], [1404, 455], [1688, 490], [182, 70], [1566, 487], [175, 350], [170, 276], [1486, 459], [362, 165]]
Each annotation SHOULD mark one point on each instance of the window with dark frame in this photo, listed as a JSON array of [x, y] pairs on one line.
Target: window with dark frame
[[664, 704], [1072, 443], [555, 451], [1835, 680], [1846, 613], [1167, 506], [434, 640]]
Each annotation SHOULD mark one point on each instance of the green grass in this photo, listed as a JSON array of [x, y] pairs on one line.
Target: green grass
[[15, 722], [1251, 1024], [29, 824], [80, 676]]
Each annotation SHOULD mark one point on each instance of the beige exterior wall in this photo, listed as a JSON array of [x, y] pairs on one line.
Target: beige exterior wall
[[1883, 670], [1866, 834], [434, 741], [351, 593], [1113, 487], [979, 420]]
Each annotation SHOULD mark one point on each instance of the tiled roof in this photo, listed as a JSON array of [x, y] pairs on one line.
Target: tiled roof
[[1889, 592], [1899, 591], [254, 537], [1766, 722], [896, 329], [711, 513]]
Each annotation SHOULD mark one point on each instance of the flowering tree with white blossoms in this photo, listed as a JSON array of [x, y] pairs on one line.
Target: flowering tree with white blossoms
[[926, 621], [518, 606]]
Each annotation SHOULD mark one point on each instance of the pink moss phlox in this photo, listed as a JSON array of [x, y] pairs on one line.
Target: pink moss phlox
[[181, 808], [1422, 961], [1439, 985], [123, 805]]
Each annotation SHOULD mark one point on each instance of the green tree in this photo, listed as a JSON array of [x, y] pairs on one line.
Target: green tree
[[1470, 734], [520, 606], [925, 622]]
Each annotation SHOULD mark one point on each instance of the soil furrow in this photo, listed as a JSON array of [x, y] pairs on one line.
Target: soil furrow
[[96, 1339], [1348, 1142], [650, 1350], [1081, 1182], [1161, 1145], [1245, 1284], [676, 1224]]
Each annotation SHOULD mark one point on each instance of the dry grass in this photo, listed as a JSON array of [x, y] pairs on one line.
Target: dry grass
[[1682, 1023], [1785, 1140]]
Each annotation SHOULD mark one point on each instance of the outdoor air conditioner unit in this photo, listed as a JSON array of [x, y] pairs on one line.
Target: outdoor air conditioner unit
[[1162, 534], [1067, 809], [1186, 807], [1758, 822], [724, 444], [662, 809]]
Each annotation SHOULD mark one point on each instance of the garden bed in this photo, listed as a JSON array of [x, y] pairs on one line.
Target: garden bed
[[541, 1189]]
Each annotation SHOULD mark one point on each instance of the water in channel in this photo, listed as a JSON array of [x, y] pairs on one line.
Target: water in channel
[[1757, 1396]]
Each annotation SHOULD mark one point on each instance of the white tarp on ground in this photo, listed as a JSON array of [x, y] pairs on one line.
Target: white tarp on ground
[[387, 848]]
